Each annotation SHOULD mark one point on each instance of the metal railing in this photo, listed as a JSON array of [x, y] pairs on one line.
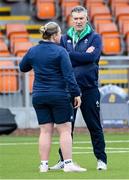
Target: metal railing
[[113, 70]]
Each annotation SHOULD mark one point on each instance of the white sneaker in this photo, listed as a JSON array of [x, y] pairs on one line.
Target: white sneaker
[[43, 168], [58, 166], [101, 165], [71, 167]]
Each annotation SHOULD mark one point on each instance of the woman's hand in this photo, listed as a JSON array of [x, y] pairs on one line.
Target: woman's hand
[[77, 102]]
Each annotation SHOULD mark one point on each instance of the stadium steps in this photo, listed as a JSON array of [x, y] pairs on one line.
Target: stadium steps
[[5, 10], [14, 19]]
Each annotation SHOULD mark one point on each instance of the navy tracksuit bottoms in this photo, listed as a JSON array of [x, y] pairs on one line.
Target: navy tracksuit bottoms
[[90, 109]]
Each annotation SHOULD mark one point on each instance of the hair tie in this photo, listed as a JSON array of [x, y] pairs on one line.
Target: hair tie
[[43, 29]]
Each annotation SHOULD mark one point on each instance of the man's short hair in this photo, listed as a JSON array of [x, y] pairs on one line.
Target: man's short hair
[[79, 9]]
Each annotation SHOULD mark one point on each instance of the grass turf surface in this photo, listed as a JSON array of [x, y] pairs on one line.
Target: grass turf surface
[[19, 158]]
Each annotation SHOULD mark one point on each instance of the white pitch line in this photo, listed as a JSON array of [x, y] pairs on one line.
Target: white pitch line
[[124, 148], [108, 152], [65, 179], [56, 142], [18, 143], [89, 142]]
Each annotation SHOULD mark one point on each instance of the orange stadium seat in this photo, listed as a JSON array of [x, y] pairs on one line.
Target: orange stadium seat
[[69, 1], [107, 27], [4, 49], [117, 1], [88, 4], [127, 43], [93, 1], [21, 37], [1, 36], [1, 39], [8, 77], [98, 22], [69, 21], [45, 9], [121, 21], [118, 4], [21, 47], [16, 33], [104, 17], [125, 28], [15, 29], [21, 54], [111, 39], [66, 7], [102, 10], [91, 5], [111, 44], [121, 11]]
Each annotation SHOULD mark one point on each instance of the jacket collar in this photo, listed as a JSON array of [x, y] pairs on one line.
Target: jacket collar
[[74, 35]]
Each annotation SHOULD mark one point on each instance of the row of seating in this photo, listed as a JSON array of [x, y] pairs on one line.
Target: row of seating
[[110, 19], [48, 9], [10, 77], [14, 40], [18, 40], [20, 43]]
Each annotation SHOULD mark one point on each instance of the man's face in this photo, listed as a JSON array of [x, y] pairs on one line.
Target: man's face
[[79, 20]]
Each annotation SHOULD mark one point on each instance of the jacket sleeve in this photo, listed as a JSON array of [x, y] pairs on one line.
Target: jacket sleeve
[[68, 74], [62, 43], [25, 64], [83, 58]]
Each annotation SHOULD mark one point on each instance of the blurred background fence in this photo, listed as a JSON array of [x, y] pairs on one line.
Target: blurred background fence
[[16, 92]]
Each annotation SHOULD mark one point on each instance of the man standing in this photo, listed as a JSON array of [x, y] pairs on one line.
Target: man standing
[[84, 48]]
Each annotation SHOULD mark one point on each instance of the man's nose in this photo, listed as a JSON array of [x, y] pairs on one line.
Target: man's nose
[[78, 21]]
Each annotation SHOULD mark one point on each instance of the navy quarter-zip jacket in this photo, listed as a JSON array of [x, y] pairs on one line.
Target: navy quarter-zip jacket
[[86, 65], [52, 68]]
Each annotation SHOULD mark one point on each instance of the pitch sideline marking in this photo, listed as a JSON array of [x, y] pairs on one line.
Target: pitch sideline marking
[[56, 142], [84, 148], [108, 152]]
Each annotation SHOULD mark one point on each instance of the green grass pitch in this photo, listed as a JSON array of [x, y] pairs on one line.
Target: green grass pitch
[[19, 158]]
